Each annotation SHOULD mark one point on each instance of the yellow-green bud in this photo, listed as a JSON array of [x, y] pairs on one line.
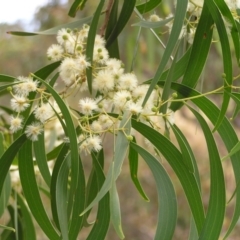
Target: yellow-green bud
[[9, 89], [154, 109], [174, 95], [223, 75], [130, 138]]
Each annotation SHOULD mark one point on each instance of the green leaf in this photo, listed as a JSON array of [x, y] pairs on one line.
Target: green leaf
[[26, 219], [217, 201], [8, 156], [54, 30], [200, 48], [148, 24], [148, 6], [124, 16], [234, 150], [40, 155], [61, 196], [174, 158], [93, 188], [225, 11], [186, 150], [6, 78], [31, 193], [71, 133], [90, 42], [227, 134], [133, 164], [78, 204], [181, 8], [5, 195], [115, 211], [77, 4], [167, 212], [121, 146], [113, 49], [101, 224], [56, 169], [54, 153], [227, 58]]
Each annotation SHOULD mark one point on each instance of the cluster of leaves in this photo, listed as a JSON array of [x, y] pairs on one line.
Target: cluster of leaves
[[73, 196]]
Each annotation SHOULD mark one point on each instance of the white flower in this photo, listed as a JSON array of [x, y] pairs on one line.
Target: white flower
[[96, 126], [104, 81], [68, 70], [128, 81], [92, 143], [55, 52], [87, 106], [63, 36], [113, 63], [19, 103], [134, 108], [121, 98], [43, 112], [100, 54], [84, 32], [154, 18], [15, 123], [25, 86], [105, 121], [140, 91], [82, 62], [99, 41], [32, 131]]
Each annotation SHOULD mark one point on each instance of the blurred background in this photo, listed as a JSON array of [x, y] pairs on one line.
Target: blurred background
[[21, 55]]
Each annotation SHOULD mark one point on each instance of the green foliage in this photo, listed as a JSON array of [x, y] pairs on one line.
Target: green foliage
[[50, 141]]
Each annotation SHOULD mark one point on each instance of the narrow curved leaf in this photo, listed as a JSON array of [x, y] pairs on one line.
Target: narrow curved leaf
[[61, 196], [121, 146], [181, 8], [41, 159], [167, 212], [90, 42], [200, 48], [56, 169], [217, 201], [5, 195], [148, 6], [71, 133], [133, 164], [125, 14], [115, 211], [26, 219], [8, 156], [6, 78], [227, 134], [78, 204], [101, 224], [77, 4], [225, 11], [31, 193], [174, 158], [113, 49], [54, 30], [227, 58]]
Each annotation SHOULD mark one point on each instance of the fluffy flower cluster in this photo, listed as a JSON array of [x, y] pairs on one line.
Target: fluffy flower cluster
[[116, 92]]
